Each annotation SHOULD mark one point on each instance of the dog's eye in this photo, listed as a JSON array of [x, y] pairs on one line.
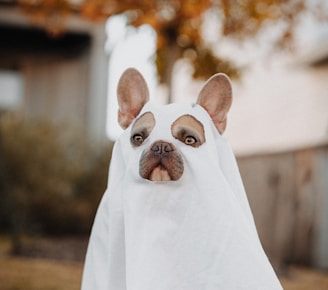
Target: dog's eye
[[137, 139], [190, 140]]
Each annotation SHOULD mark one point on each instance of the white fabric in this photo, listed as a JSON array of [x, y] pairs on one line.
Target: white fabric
[[196, 233]]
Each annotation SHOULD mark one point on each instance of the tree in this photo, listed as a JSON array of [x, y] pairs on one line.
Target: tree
[[178, 24]]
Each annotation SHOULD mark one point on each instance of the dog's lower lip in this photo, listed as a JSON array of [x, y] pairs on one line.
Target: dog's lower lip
[[159, 169]]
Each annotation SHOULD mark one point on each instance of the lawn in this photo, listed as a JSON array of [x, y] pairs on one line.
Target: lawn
[[27, 273], [36, 274], [24, 273]]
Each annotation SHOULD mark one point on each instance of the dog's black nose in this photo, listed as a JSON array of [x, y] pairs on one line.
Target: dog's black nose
[[161, 147]]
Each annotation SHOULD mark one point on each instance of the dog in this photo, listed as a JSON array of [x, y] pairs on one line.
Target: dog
[[175, 215]]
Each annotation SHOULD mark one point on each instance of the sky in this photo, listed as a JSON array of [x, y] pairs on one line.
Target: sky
[[127, 47]]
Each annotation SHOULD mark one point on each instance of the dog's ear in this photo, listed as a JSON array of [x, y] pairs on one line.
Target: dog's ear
[[132, 94], [216, 97]]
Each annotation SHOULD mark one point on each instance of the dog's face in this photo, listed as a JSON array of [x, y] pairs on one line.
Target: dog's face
[[161, 160]]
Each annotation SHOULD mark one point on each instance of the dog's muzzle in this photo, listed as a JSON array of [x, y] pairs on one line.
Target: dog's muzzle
[[161, 162]]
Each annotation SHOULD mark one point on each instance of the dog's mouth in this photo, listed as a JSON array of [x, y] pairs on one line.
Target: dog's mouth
[[171, 171], [164, 166], [159, 173]]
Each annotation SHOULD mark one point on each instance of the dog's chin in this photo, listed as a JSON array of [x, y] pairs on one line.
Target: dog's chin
[[159, 173], [165, 167]]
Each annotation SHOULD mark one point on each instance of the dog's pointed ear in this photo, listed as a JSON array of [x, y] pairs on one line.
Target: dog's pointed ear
[[216, 98], [132, 95]]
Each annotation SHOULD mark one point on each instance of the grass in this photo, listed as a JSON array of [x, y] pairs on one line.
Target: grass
[[28, 274], [305, 279], [21, 273]]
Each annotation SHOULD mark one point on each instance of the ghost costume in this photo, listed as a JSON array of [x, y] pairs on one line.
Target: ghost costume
[[196, 233]]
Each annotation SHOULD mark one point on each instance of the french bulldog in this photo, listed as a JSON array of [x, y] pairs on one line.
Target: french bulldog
[[161, 161], [175, 214]]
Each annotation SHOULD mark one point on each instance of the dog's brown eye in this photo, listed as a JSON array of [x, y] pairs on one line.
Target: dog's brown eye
[[137, 139], [190, 140]]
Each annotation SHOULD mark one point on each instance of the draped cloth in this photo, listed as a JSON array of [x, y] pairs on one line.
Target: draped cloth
[[196, 233]]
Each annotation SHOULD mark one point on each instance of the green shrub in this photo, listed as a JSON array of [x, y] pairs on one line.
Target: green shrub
[[52, 179]]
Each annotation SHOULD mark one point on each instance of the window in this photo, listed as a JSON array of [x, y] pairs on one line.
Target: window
[[11, 89]]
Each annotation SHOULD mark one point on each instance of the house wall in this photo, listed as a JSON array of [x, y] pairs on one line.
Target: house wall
[[56, 87], [65, 78], [288, 194]]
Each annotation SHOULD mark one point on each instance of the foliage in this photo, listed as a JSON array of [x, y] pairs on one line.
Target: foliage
[[179, 23], [54, 180]]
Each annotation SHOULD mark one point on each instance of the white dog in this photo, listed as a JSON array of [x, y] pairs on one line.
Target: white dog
[[175, 215]]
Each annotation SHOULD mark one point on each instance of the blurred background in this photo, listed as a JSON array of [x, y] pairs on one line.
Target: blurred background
[[60, 61]]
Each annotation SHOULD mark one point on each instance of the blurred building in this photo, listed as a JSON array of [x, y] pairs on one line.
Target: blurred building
[[278, 127], [63, 78]]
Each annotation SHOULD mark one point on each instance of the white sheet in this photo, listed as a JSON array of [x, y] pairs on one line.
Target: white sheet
[[196, 233]]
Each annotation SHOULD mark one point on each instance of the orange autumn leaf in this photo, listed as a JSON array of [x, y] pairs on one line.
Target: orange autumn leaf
[[178, 23]]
